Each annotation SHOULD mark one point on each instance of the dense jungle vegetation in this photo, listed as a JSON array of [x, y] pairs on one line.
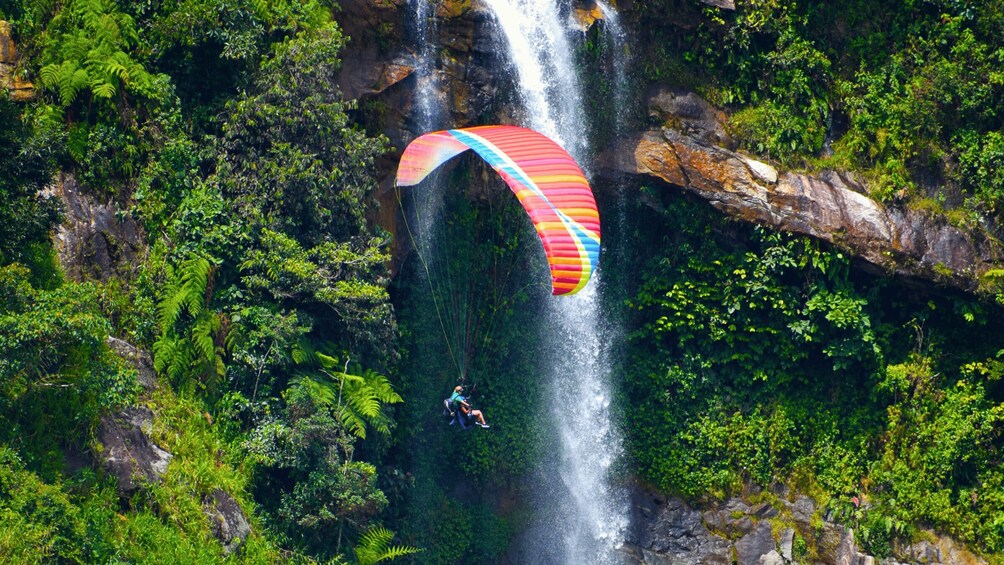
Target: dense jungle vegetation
[[296, 375]]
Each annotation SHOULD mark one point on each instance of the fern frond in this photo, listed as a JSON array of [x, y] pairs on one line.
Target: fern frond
[[381, 423], [304, 354], [195, 280], [182, 361], [116, 68], [374, 547], [351, 420], [103, 89], [327, 361], [376, 537], [77, 81], [363, 403], [397, 551], [321, 393], [351, 381], [50, 75], [169, 310], [382, 389], [164, 352], [203, 333], [88, 11]]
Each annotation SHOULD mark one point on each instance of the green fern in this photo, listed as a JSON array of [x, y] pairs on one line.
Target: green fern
[[193, 338], [91, 54], [374, 547], [359, 400]]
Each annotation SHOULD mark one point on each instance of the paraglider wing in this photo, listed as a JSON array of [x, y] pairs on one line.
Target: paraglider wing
[[546, 180]]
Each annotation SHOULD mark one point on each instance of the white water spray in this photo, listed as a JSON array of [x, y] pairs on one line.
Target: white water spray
[[540, 57], [616, 43], [583, 514], [427, 115]]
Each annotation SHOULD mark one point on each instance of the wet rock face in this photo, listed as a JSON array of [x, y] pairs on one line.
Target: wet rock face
[[128, 452], [380, 61], [670, 532], [95, 241]]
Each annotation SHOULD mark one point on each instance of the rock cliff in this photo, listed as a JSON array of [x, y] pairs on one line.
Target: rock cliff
[[788, 529], [687, 148], [17, 88], [96, 240], [690, 152]]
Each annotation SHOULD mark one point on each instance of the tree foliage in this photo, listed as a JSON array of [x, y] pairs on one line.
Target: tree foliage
[[760, 358], [909, 95], [26, 216], [289, 157], [253, 186]]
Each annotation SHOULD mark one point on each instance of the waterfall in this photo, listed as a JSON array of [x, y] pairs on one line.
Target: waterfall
[[540, 57], [427, 115], [428, 110], [617, 43], [582, 514]]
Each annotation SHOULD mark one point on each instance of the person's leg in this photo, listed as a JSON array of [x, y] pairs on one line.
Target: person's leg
[[480, 417]]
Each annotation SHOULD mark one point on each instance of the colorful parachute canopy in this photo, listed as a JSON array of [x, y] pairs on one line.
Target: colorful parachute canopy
[[547, 181]]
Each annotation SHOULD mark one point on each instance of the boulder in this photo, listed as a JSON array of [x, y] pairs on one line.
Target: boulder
[[802, 510], [689, 114], [96, 241], [937, 549], [787, 543], [138, 358], [127, 451], [755, 545], [226, 520]]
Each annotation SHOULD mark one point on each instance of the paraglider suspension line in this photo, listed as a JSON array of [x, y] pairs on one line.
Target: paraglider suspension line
[[435, 299]]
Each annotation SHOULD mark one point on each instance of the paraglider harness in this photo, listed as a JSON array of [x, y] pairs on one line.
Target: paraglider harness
[[453, 412]]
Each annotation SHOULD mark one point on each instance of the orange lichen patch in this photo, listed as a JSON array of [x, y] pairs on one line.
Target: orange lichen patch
[[452, 8], [391, 75], [8, 54], [20, 89], [586, 16]]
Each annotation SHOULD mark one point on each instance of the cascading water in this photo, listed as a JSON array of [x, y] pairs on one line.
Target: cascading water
[[583, 515], [428, 110], [616, 44], [540, 56], [427, 113]]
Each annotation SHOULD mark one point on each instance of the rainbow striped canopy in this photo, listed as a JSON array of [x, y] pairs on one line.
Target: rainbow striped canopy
[[547, 181]]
